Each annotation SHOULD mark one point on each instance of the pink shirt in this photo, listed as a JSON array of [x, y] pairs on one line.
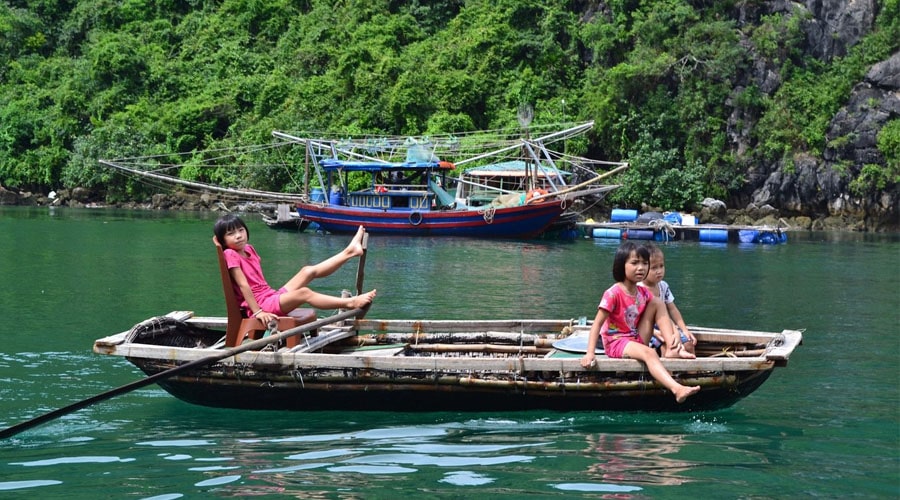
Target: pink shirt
[[624, 311], [252, 269]]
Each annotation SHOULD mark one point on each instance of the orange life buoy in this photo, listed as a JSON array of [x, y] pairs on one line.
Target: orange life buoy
[[534, 193]]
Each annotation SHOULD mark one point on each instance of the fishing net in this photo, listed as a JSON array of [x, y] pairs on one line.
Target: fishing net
[[167, 331]]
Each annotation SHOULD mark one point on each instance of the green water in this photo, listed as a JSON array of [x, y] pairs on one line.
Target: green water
[[827, 425]]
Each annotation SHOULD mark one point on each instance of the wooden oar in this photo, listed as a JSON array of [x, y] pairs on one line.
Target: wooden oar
[[361, 273], [250, 346]]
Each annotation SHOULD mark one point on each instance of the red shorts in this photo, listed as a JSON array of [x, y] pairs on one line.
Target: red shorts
[[271, 302], [614, 345]]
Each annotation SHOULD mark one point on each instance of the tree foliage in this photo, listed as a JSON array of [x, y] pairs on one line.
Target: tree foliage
[[90, 79]]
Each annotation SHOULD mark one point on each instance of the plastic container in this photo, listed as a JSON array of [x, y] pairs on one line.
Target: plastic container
[[714, 235], [639, 234], [748, 235], [673, 218], [317, 195], [688, 220], [623, 215], [604, 232], [336, 198]]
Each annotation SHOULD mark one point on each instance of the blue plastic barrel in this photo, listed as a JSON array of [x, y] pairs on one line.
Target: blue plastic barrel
[[623, 215], [748, 235], [639, 234], [317, 195], [336, 198], [605, 232], [714, 235], [768, 238]]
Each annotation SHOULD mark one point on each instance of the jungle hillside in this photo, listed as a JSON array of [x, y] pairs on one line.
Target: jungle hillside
[[794, 105]]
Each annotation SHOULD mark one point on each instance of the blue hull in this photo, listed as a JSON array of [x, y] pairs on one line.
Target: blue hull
[[526, 221]]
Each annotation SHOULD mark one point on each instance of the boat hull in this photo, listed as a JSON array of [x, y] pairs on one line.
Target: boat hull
[[306, 393], [526, 221]]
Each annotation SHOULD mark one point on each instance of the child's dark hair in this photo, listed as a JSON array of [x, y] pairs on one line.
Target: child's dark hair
[[228, 222], [653, 249], [622, 255]]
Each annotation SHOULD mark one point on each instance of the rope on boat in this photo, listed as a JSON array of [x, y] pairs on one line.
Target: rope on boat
[[298, 376], [726, 352], [663, 226], [777, 341]]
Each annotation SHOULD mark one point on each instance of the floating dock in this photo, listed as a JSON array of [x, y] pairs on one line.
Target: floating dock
[[663, 231]]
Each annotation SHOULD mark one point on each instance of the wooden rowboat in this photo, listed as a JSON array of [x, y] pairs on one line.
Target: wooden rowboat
[[441, 365]]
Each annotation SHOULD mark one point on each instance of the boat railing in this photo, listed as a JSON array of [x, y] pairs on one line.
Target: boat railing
[[398, 188]]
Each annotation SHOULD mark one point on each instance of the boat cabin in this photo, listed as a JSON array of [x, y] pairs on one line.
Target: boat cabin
[[414, 186], [479, 186]]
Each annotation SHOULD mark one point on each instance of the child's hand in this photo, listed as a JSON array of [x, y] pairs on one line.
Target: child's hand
[[690, 336], [588, 360]]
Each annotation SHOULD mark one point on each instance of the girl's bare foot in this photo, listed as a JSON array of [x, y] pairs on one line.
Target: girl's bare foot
[[680, 352], [362, 300], [684, 392], [355, 247]]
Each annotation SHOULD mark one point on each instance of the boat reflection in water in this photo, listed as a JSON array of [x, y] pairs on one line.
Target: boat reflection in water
[[625, 459]]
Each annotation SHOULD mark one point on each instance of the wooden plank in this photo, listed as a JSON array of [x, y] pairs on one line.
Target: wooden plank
[[288, 361], [382, 351], [781, 353], [322, 340], [449, 326], [107, 345]]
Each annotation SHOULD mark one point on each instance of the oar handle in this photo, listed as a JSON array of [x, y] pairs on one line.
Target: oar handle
[[256, 344], [360, 271]]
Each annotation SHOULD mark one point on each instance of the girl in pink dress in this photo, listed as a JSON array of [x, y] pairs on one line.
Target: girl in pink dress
[[262, 301], [626, 316]]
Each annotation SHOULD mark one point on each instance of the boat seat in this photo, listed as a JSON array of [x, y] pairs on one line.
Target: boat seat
[[240, 328]]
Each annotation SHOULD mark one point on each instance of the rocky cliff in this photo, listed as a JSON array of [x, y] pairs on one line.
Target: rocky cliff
[[818, 185]]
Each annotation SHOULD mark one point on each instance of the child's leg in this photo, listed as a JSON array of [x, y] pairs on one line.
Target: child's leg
[[293, 299], [656, 313], [648, 356], [685, 340], [657, 342], [327, 266]]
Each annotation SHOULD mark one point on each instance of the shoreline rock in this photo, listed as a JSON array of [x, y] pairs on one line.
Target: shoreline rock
[[710, 211]]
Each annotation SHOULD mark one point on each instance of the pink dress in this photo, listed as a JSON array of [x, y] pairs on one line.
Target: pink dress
[[625, 313], [266, 296]]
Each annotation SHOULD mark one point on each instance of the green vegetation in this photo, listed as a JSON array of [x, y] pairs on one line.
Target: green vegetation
[[96, 79], [874, 178]]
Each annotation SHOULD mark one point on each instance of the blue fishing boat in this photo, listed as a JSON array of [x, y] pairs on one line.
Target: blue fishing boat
[[402, 187], [411, 201]]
